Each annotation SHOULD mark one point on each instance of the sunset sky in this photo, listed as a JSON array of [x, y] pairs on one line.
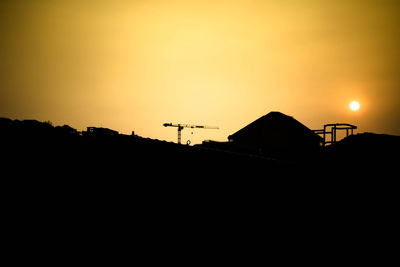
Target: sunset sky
[[134, 65]]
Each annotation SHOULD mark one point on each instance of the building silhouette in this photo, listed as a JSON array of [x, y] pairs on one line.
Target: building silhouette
[[276, 133]]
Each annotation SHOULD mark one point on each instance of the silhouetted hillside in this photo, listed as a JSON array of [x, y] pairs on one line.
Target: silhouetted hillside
[[365, 153], [101, 151]]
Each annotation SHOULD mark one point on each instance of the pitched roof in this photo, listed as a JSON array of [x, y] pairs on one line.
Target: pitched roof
[[275, 122]]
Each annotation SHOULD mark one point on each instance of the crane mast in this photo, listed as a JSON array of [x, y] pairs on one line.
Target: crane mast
[[181, 126]]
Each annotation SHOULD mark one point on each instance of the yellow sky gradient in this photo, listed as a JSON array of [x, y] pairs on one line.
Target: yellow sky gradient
[[133, 65]]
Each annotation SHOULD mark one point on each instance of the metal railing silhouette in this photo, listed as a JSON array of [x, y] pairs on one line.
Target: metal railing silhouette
[[331, 130]]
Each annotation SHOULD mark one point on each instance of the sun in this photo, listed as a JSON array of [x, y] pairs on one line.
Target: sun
[[354, 105]]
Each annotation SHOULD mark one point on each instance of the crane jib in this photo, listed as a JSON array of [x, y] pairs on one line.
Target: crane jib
[[181, 126]]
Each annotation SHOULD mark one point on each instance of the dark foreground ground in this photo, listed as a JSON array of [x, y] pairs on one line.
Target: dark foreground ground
[[133, 191]]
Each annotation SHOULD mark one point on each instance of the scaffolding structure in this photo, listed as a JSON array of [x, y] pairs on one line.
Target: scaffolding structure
[[331, 130]]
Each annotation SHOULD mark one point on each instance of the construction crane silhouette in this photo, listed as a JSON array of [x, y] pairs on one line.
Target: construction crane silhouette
[[181, 126]]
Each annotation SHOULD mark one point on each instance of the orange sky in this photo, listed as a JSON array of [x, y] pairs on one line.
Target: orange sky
[[133, 65]]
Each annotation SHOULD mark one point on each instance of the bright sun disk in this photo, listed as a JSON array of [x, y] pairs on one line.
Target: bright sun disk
[[354, 105]]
